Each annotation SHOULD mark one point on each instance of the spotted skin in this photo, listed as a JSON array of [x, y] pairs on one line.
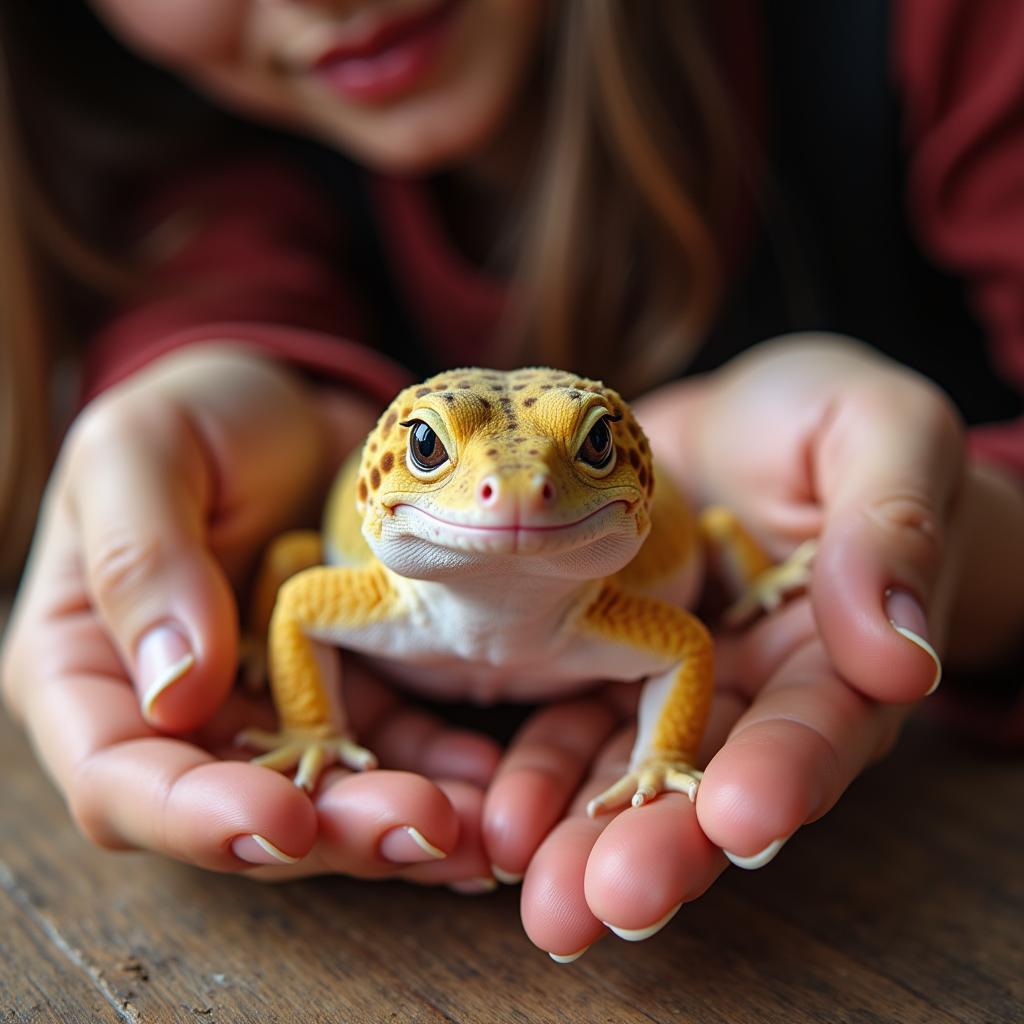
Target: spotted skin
[[538, 529], [510, 418]]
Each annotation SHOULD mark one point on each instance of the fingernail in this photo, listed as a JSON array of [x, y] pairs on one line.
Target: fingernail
[[639, 934], [164, 656], [505, 877], [406, 845], [757, 860], [474, 886], [908, 619], [559, 959], [255, 849]]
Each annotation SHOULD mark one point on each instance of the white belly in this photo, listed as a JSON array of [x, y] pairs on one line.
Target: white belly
[[533, 680], [515, 662]]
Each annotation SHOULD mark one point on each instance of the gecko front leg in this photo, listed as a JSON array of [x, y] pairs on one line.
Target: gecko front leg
[[675, 704], [313, 726]]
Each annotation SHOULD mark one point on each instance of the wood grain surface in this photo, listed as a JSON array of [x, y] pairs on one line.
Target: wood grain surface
[[905, 904]]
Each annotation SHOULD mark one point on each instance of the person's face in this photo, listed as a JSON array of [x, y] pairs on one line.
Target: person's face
[[403, 85]]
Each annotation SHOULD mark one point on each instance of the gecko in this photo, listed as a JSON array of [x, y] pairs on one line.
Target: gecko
[[505, 535]]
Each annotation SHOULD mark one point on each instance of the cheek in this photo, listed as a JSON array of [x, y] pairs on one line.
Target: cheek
[[187, 32]]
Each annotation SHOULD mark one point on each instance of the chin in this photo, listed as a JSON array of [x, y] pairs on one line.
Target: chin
[[400, 153], [437, 558]]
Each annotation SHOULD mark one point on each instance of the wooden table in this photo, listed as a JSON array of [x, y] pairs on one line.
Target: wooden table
[[905, 904]]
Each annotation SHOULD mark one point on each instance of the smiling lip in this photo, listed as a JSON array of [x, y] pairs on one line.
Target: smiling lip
[[511, 527], [390, 59]]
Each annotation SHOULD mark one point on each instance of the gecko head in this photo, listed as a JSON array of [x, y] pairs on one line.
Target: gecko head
[[532, 471]]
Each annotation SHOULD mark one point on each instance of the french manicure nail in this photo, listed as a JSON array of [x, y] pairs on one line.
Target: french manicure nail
[[569, 958], [164, 656], [639, 934], [757, 860], [407, 845], [506, 877], [254, 849], [908, 619]]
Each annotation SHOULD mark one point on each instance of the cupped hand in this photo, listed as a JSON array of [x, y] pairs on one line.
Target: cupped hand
[[805, 437], [122, 647]]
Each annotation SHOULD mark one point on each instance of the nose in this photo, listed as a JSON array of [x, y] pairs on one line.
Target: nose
[[516, 495]]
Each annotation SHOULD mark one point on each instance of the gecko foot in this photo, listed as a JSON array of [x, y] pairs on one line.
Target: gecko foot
[[767, 590], [657, 775], [312, 752]]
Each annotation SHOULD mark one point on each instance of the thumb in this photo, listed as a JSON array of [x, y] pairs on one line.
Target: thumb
[[888, 466], [140, 486]]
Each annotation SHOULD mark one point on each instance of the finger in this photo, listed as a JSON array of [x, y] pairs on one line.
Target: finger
[[348, 835], [139, 493], [466, 869], [646, 864], [374, 824], [167, 796], [888, 467], [553, 903], [128, 787], [537, 778], [790, 757]]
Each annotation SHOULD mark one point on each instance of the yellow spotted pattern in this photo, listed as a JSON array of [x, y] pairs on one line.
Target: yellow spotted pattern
[[495, 420]]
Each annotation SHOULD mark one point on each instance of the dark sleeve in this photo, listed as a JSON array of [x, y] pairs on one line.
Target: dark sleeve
[[248, 253], [960, 67]]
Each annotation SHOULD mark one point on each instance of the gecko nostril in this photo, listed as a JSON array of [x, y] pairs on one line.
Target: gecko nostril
[[487, 492], [543, 489]]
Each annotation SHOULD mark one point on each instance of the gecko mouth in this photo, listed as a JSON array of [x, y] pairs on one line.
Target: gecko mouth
[[517, 538]]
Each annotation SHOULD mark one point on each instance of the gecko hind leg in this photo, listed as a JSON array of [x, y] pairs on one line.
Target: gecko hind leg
[[768, 589]]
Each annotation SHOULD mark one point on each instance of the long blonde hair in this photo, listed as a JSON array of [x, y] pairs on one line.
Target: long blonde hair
[[617, 253], [636, 182]]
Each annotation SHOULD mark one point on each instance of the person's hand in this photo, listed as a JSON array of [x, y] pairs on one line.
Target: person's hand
[[802, 438], [122, 648]]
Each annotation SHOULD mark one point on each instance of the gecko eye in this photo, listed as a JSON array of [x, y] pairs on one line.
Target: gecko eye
[[425, 448], [597, 448]]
